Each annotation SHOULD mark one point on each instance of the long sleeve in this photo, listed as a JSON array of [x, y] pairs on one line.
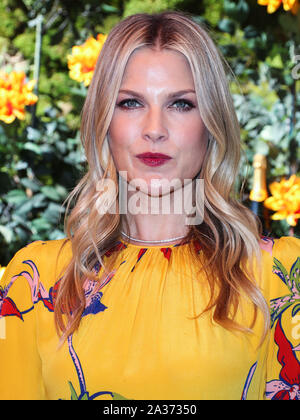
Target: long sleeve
[[20, 368], [283, 366]]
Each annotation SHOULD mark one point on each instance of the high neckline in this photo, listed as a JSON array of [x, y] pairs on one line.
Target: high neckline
[[158, 246]]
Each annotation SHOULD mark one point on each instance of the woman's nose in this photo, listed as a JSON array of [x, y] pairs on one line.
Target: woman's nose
[[154, 127]]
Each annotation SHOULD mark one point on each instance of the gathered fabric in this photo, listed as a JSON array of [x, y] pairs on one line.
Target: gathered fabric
[[143, 335]]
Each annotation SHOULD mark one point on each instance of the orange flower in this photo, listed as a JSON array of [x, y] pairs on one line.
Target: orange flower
[[15, 94], [285, 200], [83, 59], [273, 5], [292, 5]]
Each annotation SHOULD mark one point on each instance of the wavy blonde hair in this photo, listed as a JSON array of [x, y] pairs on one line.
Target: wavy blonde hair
[[229, 234]]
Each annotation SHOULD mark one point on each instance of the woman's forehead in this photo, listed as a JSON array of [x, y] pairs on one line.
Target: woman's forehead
[[148, 66]]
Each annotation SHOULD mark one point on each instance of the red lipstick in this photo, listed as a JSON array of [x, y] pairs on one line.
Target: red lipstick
[[153, 159]]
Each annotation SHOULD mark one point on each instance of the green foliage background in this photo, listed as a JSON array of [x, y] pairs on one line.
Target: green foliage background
[[41, 159]]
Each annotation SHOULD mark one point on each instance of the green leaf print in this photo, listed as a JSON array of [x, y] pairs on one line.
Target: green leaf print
[[118, 396], [295, 274], [280, 270], [295, 310], [292, 281], [74, 396], [279, 305]]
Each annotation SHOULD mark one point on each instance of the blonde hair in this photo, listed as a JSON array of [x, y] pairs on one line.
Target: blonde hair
[[229, 234]]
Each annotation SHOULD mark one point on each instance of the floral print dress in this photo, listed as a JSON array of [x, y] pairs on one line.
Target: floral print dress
[[140, 336]]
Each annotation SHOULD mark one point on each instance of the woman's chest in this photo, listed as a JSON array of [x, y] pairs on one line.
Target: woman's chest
[[146, 347]]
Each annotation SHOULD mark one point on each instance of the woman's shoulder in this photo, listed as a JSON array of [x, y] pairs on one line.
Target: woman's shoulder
[[281, 265], [44, 252], [287, 247], [32, 276], [42, 260]]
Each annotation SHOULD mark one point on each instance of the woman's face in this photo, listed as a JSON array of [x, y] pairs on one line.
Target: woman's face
[[157, 112]]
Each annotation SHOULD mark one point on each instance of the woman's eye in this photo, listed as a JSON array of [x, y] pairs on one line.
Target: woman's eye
[[183, 105], [128, 103], [180, 105]]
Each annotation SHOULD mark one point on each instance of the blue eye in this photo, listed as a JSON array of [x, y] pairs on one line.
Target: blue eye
[[128, 103], [185, 105]]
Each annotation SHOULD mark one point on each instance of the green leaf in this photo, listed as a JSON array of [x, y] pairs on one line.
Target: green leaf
[[24, 208], [22, 233], [295, 310], [236, 9], [7, 233], [32, 147], [280, 270], [61, 190], [56, 234], [262, 147], [29, 183], [51, 127], [33, 134], [252, 123], [61, 146], [40, 224], [51, 193], [273, 133], [52, 213], [275, 62], [38, 200], [295, 274], [109, 9], [16, 197], [20, 221], [279, 305], [47, 148], [227, 25], [118, 396], [250, 32], [73, 392]]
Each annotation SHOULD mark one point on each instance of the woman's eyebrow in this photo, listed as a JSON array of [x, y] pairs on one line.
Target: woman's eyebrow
[[169, 96]]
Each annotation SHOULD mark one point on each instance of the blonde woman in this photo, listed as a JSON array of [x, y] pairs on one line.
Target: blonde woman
[[163, 288]]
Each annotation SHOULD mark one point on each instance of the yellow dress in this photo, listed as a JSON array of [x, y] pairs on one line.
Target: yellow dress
[[139, 337]]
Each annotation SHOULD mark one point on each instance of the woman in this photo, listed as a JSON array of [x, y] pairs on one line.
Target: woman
[[154, 304]]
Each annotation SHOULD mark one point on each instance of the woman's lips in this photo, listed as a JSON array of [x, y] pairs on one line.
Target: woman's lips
[[154, 159]]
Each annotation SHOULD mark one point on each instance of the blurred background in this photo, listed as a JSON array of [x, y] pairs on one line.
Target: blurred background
[[48, 50]]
